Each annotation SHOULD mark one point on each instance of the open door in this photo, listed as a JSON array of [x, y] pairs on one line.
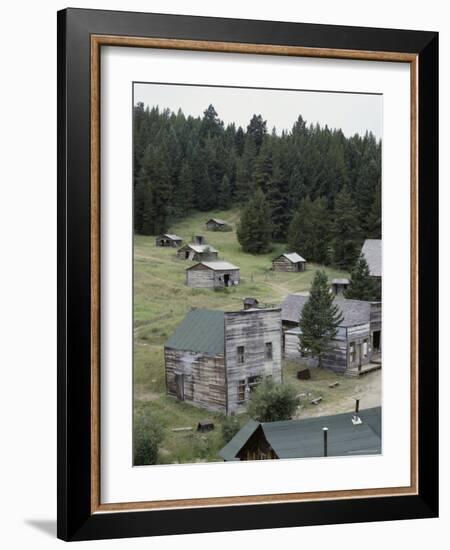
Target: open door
[[179, 386]]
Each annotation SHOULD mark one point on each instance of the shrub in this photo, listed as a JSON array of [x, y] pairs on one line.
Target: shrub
[[272, 402], [147, 436], [230, 428]]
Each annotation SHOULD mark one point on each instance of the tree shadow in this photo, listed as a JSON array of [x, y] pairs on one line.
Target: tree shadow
[[47, 526]]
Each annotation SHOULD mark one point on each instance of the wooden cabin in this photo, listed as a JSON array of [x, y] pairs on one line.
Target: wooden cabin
[[347, 434], [216, 224], [339, 286], [355, 349], [166, 239], [289, 262], [215, 274], [215, 359], [198, 239], [250, 303], [197, 252]]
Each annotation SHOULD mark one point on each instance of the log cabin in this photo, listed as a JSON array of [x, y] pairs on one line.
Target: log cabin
[[347, 434], [356, 348], [167, 239], [197, 252], [215, 359], [216, 224], [289, 262], [215, 274]]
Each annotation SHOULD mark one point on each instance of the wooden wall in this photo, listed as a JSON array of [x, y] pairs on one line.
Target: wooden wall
[[283, 264], [164, 241], [203, 277], [203, 378], [196, 256], [251, 329]]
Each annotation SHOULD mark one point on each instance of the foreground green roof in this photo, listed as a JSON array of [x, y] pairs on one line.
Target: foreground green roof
[[201, 330]]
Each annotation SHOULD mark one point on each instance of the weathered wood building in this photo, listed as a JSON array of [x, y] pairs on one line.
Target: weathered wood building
[[289, 262], [356, 347], [216, 224], [339, 286], [197, 252], [215, 274], [167, 239], [215, 359], [348, 434]]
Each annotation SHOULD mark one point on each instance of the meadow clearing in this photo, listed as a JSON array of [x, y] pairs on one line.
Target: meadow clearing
[[162, 299]]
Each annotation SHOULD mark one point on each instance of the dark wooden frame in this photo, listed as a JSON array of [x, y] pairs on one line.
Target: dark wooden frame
[[81, 33]]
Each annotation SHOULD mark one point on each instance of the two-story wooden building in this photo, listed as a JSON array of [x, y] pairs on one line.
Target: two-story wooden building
[[215, 359], [356, 347]]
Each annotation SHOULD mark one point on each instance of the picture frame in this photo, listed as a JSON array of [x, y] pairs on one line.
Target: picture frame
[[81, 35]]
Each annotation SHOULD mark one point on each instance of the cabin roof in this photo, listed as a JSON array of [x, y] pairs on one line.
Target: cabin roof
[[201, 330], [304, 438], [292, 257], [200, 248], [217, 220], [171, 236], [355, 312], [217, 266], [371, 251]]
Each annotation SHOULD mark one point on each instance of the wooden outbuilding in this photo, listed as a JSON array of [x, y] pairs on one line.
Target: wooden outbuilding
[[346, 434], [339, 286], [167, 239], [250, 303], [216, 224], [197, 252], [355, 349], [289, 262], [215, 359], [215, 274]]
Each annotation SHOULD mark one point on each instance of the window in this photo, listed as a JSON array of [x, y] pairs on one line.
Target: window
[[253, 382], [269, 351], [241, 391], [365, 348], [352, 353], [241, 355]]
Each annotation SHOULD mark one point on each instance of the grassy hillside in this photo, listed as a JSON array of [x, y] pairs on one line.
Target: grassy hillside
[[161, 300]]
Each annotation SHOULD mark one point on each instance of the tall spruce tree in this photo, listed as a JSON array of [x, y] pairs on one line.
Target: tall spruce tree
[[319, 319], [254, 228], [346, 231], [224, 198], [363, 286]]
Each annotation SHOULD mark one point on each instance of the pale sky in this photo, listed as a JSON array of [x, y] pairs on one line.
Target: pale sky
[[353, 113]]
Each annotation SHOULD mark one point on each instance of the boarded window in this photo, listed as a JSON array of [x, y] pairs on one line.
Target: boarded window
[[241, 355], [241, 391], [365, 348], [352, 353], [269, 351]]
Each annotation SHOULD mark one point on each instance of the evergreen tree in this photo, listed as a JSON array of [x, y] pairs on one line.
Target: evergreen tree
[[278, 197], [309, 231], [257, 129], [346, 231], [254, 228], [245, 167], [319, 319], [262, 173], [374, 217], [185, 193], [363, 286], [224, 199]]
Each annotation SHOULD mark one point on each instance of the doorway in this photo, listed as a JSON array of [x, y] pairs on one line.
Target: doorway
[[226, 280], [179, 386]]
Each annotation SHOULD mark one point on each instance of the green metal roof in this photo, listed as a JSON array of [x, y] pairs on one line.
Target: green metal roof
[[201, 330], [304, 438]]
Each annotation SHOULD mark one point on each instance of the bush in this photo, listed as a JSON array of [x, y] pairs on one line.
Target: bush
[[147, 437], [272, 402], [230, 428]]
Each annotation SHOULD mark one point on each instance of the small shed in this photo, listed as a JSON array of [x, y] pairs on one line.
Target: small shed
[[289, 262], [339, 286], [250, 303], [197, 252], [198, 239], [212, 275], [167, 239], [216, 224]]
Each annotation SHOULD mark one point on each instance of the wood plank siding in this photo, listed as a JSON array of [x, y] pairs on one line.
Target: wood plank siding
[[196, 377], [201, 276], [283, 264], [252, 351]]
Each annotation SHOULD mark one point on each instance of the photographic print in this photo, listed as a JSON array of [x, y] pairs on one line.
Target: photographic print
[[257, 274]]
